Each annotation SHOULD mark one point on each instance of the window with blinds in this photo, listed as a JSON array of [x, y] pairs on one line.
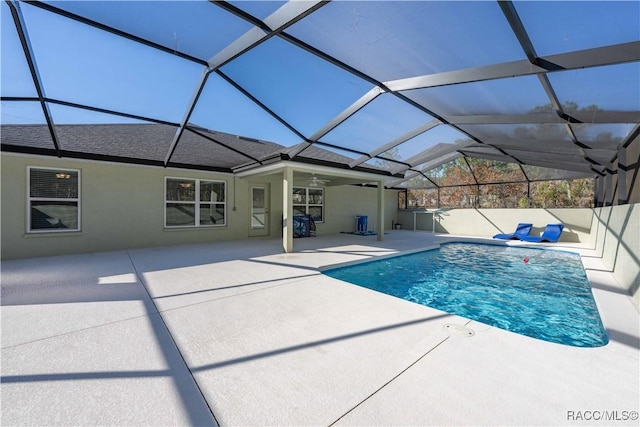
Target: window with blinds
[[194, 203], [53, 200]]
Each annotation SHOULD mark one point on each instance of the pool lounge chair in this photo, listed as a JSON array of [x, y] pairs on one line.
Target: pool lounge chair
[[523, 229], [550, 234]]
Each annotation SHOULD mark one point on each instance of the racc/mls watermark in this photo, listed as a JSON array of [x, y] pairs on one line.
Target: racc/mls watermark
[[610, 415]]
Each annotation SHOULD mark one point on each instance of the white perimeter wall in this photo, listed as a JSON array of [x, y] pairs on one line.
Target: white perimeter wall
[[616, 237], [487, 222]]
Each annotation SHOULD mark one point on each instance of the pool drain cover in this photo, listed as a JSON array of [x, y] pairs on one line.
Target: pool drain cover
[[459, 330]]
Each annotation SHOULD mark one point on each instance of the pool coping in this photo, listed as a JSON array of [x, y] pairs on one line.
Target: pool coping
[[526, 245]]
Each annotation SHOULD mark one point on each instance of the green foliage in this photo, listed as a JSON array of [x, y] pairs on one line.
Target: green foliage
[[523, 202], [544, 194], [476, 182], [563, 193]]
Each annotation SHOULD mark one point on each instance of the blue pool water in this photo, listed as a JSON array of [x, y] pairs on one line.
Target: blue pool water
[[548, 297]]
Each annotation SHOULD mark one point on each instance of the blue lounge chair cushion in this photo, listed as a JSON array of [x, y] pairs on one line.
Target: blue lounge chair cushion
[[523, 229], [550, 234]]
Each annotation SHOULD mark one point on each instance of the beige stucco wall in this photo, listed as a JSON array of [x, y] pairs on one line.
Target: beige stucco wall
[[487, 222], [122, 207], [344, 203], [616, 237]]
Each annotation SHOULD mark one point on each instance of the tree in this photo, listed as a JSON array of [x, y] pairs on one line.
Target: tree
[[563, 193], [471, 182]]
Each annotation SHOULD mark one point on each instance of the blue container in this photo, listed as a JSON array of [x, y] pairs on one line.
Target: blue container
[[361, 223], [301, 226]]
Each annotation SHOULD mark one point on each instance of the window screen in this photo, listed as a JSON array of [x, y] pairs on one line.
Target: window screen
[[309, 201], [54, 200], [195, 203]]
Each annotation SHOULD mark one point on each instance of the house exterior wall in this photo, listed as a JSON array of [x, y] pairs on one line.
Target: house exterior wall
[[345, 203], [122, 207], [342, 204]]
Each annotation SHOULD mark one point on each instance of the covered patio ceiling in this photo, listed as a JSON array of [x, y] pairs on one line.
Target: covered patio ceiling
[[387, 88]]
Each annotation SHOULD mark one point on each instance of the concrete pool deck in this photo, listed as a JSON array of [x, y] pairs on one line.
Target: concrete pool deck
[[239, 333]]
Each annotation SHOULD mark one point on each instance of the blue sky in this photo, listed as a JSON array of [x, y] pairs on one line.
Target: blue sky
[[88, 66]]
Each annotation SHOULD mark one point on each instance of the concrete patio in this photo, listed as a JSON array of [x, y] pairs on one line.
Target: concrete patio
[[239, 333]]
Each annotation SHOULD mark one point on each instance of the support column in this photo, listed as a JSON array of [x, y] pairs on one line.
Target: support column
[[380, 224], [287, 210], [623, 197], [608, 189], [599, 193]]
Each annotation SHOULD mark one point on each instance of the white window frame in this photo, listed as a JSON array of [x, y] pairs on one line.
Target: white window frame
[[307, 205], [196, 203], [31, 199]]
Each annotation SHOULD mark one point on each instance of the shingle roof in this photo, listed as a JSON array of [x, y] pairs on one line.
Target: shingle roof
[[132, 142], [197, 148]]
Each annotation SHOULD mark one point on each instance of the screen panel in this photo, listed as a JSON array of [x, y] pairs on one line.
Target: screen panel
[[16, 77], [518, 95], [603, 136], [394, 40], [196, 28], [611, 88], [301, 88], [223, 108], [559, 26], [493, 171], [22, 112], [379, 122], [85, 65], [455, 172]]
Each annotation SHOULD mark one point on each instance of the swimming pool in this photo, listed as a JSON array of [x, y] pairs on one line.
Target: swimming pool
[[539, 293]]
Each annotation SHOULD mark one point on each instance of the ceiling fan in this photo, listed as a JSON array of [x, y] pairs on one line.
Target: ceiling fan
[[314, 181]]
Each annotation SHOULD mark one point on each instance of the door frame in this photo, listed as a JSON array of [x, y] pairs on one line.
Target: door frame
[[266, 228]]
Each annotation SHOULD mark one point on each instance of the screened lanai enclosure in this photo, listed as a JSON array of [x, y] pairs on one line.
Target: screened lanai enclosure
[[462, 104]]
